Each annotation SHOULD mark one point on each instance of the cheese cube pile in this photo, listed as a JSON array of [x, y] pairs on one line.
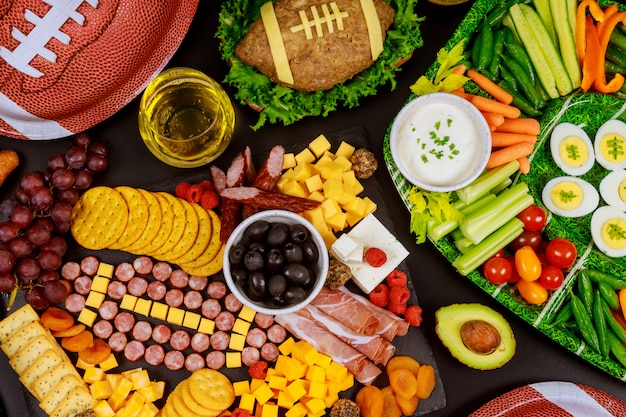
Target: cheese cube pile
[[319, 174], [304, 382]]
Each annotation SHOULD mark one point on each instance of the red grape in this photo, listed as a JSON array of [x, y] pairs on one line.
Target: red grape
[[69, 196], [96, 162], [8, 231], [21, 247], [22, 196], [62, 228], [48, 276], [45, 223], [75, 157], [7, 282], [84, 178], [56, 161], [60, 212], [49, 260], [7, 260], [7, 206], [36, 298], [22, 216], [28, 269], [63, 179], [32, 181], [38, 234], [41, 199], [55, 291], [57, 244], [99, 148], [82, 139]]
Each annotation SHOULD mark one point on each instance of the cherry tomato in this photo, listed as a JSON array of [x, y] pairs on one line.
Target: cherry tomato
[[551, 277], [532, 291], [514, 276], [499, 254], [533, 217], [527, 264], [498, 270], [561, 253], [530, 238]]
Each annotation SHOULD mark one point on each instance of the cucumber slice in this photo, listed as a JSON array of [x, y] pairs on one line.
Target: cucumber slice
[[566, 43], [543, 10]]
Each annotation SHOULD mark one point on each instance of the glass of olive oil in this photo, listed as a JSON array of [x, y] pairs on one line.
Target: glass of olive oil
[[186, 119]]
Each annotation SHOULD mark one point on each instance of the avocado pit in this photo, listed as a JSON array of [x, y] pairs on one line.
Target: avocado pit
[[480, 337]]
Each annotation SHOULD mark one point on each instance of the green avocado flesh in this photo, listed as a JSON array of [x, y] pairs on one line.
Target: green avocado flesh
[[451, 318]]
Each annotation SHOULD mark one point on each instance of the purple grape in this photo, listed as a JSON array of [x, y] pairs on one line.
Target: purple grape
[[32, 181], [7, 282], [99, 148], [75, 157], [7, 260], [41, 199], [8, 231], [96, 162], [82, 140], [57, 244], [22, 196], [70, 196], [38, 234], [62, 228], [63, 179], [7, 206], [48, 276], [60, 212], [21, 247], [55, 291], [49, 260], [56, 161], [84, 178], [45, 223], [36, 298], [22, 216], [27, 269]]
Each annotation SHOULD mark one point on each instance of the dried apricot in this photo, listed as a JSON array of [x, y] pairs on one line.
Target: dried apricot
[[370, 400], [56, 319], [425, 381], [403, 382], [390, 406], [81, 341], [96, 353], [402, 361], [408, 405], [73, 330]]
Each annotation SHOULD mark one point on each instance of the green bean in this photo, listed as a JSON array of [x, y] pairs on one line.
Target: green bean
[[585, 291], [498, 12], [508, 78], [617, 347], [584, 323], [616, 56], [519, 101], [525, 83], [564, 314], [486, 47], [609, 295], [520, 55], [612, 68], [618, 39], [599, 322], [601, 276], [617, 328]]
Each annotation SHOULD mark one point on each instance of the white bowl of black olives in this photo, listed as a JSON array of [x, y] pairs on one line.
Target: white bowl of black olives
[[275, 262]]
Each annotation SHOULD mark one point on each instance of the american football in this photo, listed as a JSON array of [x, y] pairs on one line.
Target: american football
[[66, 65]]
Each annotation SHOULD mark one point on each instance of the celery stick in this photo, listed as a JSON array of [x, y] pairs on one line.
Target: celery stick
[[437, 231], [486, 182], [464, 245], [502, 186], [479, 254]]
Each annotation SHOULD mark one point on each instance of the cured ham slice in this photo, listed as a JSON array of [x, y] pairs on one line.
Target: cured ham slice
[[390, 325], [375, 347], [324, 341], [347, 310]]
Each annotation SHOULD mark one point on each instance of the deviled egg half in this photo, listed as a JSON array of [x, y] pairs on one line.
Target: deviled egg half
[[571, 149], [613, 189], [608, 230], [570, 197], [610, 145]]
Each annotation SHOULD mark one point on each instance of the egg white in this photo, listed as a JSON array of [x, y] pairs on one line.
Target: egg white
[[591, 198], [610, 126], [559, 134], [609, 189], [599, 218]]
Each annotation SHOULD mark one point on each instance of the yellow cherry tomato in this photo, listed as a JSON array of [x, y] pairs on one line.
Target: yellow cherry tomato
[[532, 291], [527, 264]]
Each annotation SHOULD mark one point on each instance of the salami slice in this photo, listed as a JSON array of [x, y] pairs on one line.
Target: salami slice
[[220, 340], [108, 310], [161, 271], [116, 290], [174, 360], [250, 169], [263, 320], [134, 350], [269, 352], [161, 333], [219, 178], [82, 285], [269, 173], [256, 338], [198, 282], [70, 271], [217, 290], [231, 303], [103, 329], [211, 308], [118, 341], [225, 321], [124, 322], [124, 271], [200, 342], [142, 331], [156, 290], [137, 286], [154, 355], [180, 340], [193, 362], [179, 278], [276, 333], [74, 303], [193, 300], [215, 359], [89, 265], [250, 355], [143, 265], [174, 297]]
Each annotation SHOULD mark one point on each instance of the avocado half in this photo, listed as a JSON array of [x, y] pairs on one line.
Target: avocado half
[[450, 320]]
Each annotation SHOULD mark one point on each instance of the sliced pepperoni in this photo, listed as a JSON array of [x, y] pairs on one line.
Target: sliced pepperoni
[[276, 333], [68, 285], [197, 282], [174, 360], [225, 321], [217, 290], [70, 271], [137, 286], [74, 303], [156, 290], [200, 342], [161, 333], [143, 265], [118, 341], [215, 359], [116, 290], [124, 271], [89, 265], [154, 355], [180, 340], [250, 355], [193, 362], [220, 340], [82, 284], [124, 322], [211, 308], [174, 297], [256, 338], [269, 352], [142, 331], [263, 320], [161, 271], [134, 350], [179, 278], [232, 303], [103, 329], [193, 300], [108, 310]]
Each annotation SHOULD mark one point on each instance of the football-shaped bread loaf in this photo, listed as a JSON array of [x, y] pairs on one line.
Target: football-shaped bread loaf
[[312, 45]]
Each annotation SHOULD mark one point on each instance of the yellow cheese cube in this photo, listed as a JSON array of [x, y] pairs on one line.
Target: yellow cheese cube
[[298, 410], [349, 178], [315, 405], [159, 310], [315, 373], [317, 390], [284, 179], [332, 388], [148, 410], [337, 222], [94, 299], [128, 302], [345, 149], [135, 403], [330, 400], [319, 145], [233, 359], [323, 361], [241, 387], [105, 270], [331, 170], [237, 342], [206, 326], [100, 390], [333, 188], [289, 160], [370, 206], [269, 410], [263, 393], [143, 306], [286, 346], [347, 196], [302, 172], [140, 379], [289, 174], [355, 206], [294, 369], [330, 207], [344, 163], [87, 317], [103, 409], [175, 316], [241, 326], [246, 313], [305, 352], [336, 372], [285, 400], [353, 219], [325, 159], [152, 392], [304, 157], [277, 382], [314, 183], [294, 188], [347, 382], [100, 284], [255, 383], [109, 363], [317, 196], [117, 400], [93, 374], [191, 320], [296, 390], [272, 372], [247, 402], [315, 216], [113, 379], [123, 387], [80, 364]]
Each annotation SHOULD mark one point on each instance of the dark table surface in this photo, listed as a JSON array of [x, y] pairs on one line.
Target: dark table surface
[[437, 284]]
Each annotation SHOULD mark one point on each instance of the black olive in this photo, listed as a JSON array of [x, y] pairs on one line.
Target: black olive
[[257, 230], [310, 252], [278, 234], [298, 233], [235, 256], [257, 288], [310, 282], [277, 285], [253, 260], [258, 246], [293, 253], [274, 260], [294, 295], [296, 273], [240, 276]]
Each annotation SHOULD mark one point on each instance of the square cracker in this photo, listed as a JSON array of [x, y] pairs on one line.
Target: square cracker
[[16, 320]]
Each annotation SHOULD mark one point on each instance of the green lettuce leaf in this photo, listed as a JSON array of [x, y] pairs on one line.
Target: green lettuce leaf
[[429, 207]]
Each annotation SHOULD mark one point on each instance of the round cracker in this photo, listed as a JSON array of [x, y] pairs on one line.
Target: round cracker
[[151, 230], [178, 225], [190, 233], [202, 240], [138, 214], [211, 268], [180, 408], [212, 389], [167, 223], [99, 218], [188, 399], [212, 248]]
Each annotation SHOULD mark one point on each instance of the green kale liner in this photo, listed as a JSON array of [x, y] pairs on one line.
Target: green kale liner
[[285, 105]]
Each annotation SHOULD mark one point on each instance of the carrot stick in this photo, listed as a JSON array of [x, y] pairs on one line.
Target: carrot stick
[[460, 69], [524, 165], [525, 125], [490, 87], [462, 94], [487, 104], [459, 90], [503, 139], [493, 119], [508, 154]]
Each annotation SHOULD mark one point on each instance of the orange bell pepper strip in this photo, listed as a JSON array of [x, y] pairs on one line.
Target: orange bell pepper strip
[[608, 12], [581, 13], [591, 61], [600, 82]]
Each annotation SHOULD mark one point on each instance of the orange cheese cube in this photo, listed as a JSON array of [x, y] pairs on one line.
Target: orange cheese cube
[[80, 364], [285, 400], [114, 379], [109, 363], [298, 410], [117, 400], [296, 389], [336, 372], [247, 402], [241, 387], [140, 379], [315, 373], [269, 410], [305, 352], [103, 409], [286, 346], [101, 390], [330, 399], [323, 361], [315, 405], [277, 382], [255, 383], [148, 410], [153, 392], [93, 374], [294, 369], [347, 382], [134, 404], [317, 390], [263, 393]]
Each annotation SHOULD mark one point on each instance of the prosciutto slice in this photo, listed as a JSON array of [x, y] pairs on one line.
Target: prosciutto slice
[[347, 310], [374, 347], [324, 341], [390, 325]]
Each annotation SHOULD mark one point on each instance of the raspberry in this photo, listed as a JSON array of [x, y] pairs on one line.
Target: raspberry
[[413, 315], [209, 200], [380, 295], [181, 190], [194, 193], [258, 370], [207, 185], [397, 308], [399, 295], [396, 278], [375, 257], [240, 412]]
